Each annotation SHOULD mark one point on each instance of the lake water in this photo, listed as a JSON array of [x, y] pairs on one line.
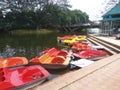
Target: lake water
[[28, 46]]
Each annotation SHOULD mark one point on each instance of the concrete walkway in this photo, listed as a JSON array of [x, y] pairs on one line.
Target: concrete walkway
[[102, 75], [110, 39]]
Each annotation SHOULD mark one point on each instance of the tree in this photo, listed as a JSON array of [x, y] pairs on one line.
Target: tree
[[79, 17], [19, 14]]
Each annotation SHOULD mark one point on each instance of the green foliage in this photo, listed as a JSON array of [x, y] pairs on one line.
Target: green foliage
[[36, 14]]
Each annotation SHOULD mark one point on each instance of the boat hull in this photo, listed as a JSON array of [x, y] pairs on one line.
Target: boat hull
[[54, 66]]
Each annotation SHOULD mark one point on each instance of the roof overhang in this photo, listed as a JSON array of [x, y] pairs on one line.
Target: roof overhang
[[112, 19]]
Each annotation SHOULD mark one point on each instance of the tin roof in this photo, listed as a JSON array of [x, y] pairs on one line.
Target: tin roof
[[114, 11]]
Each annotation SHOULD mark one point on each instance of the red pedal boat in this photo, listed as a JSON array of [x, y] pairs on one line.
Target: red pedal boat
[[21, 77], [91, 54], [12, 61], [80, 46], [53, 59]]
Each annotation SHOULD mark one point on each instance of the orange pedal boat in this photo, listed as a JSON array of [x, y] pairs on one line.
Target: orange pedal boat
[[52, 59], [80, 46], [12, 61]]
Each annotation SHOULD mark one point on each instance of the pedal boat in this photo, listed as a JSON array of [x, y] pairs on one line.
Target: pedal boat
[[12, 61], [53, 59], [22, 77], [78, 46], [91, 54]]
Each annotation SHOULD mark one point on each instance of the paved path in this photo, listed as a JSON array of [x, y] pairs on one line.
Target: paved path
[[110, 39]]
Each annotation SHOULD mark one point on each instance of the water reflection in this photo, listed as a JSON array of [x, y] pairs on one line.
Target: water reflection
[[7, 52], [26, 45], [94, 30]]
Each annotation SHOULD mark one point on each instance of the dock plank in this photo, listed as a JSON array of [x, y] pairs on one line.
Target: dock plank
[[102, 75]]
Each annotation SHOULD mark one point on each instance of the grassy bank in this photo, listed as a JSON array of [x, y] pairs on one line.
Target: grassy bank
[[40, 31], [46, 31]]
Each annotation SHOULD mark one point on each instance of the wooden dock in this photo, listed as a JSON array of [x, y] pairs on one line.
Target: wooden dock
[[101, 75]]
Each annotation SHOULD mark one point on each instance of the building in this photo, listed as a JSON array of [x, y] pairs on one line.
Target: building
[[111, 21]]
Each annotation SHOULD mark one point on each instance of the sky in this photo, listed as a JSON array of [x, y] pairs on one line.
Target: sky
[[92, 7]]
